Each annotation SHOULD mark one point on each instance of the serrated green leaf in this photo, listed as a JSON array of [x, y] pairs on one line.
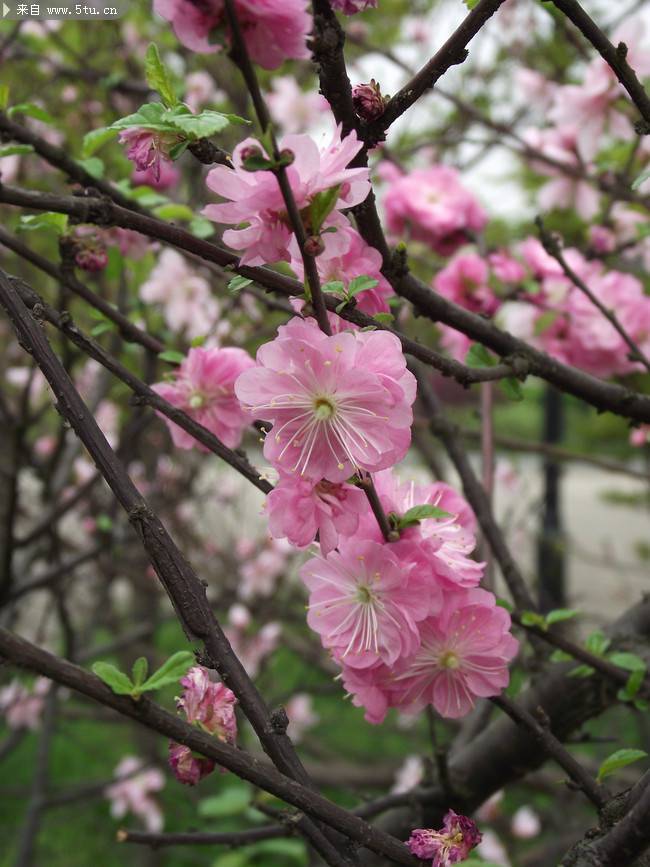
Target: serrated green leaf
[[94, 166], [11, 150], [158, 77], [139, 671], [619, 759], [47, 220], [479, 356], [334, 287], [420, 513], [172, 355], [174, 211], [384, 318], [117, 680], [238, 283], [94, 139], [560, 614], [636, 183], [321, 207], [30, 109], [361, 284], [196, 126], [628, 661], [511, 387], [231, 802], [170, 671], [148, 116]]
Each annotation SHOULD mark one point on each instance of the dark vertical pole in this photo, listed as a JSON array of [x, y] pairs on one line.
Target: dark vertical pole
[[551, 565]]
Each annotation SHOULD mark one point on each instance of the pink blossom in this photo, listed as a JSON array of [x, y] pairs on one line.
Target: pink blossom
[[189, 305], [602, 239], [147, 149], [364, 603], [132, 793], [256, 199], [640, 436], [129, 243], [21, 706], [203, 387], [187, 767], [299, 508], [201, 90], [369, 688], [453, 843], [506, 268], [535, 87], [209, 704], [464, 654], [160, 177], [351, 7], [432, 206], [337, 404], [259, 575], [356, 260], [274, 30], [526, 823], [293, 109], [301, 715], [440, 547], [465, 281]]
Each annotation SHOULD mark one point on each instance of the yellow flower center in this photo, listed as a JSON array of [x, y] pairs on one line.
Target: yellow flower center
[[324, 409], [449, 660]]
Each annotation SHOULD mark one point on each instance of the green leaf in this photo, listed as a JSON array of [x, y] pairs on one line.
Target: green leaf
[[384, 318], [47, 220], [293, 850], [149, 116], [30, 109], [94, 166], [172, 355], [177, 150], [532, 618], [619, 759], [633, 685], [198, 341], [321, 207], [170, 671], [174, 211], [636, 183], [94, 139], [4, 96], [119, 682], [158, 77], [511, 387], [104, 523], [581, 671], [420, 513], [503, 603], [258, 163], [597, 643], [335, 287], [231, 802], [547, 318], [361, 284], [201, 227], [237, 283], [560, 614], [628, 661], [479, 356], [101, 328], [139, 670], [471, 4], [560, 656], [240, 858], [11, 150], [203, 125]]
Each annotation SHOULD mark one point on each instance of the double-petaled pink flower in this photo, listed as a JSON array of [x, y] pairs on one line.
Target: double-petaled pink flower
[[203, 387], [210, 706], [148, 149], [299, 508], [255, 198], [337, 404], [364, 603], [452, 844], [274, 30], [431, 205]]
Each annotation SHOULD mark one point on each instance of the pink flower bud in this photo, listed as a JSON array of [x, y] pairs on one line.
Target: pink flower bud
[[314, 245], [187, 767], [91, 259], [368, 101]]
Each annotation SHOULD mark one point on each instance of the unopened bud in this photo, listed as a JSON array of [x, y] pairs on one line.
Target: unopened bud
[[314, 245], [368, 102]]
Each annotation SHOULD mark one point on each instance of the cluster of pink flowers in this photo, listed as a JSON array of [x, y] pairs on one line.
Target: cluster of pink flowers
[[211, 707], [132, 793], [405, 620], [452, 844], [432, 206], [203, 387], [255, 198], [274, 30], [530, 296]]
